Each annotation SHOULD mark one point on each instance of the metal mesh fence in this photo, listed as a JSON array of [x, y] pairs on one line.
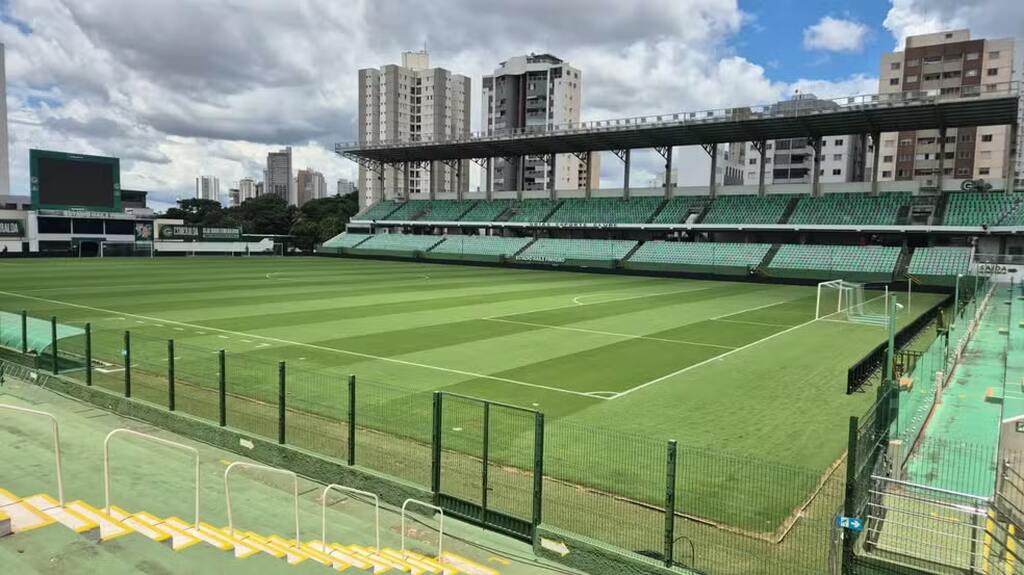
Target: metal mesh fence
[[251, 395], [393, 431], [317, 412]]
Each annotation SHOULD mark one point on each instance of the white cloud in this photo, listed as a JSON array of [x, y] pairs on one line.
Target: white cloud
[[985, 18], [175, 93], [835, 35]]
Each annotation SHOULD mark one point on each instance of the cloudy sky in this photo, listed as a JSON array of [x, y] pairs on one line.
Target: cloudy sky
[[188, 87]]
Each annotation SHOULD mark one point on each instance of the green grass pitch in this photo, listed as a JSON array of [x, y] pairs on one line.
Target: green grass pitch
[[735, 368]]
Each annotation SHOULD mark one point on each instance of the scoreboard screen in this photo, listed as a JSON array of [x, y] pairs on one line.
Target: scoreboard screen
[[75, 181]]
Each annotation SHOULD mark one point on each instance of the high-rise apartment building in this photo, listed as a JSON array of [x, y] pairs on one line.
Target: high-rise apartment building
[[278, 176], [233, 198], [310, 185], [792, 161], [412, 103], [208, 188], [951, 64], [345, 187], [535, 92], [247, 189]]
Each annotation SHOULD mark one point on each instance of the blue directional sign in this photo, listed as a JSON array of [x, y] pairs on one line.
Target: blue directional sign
[[851, 523]]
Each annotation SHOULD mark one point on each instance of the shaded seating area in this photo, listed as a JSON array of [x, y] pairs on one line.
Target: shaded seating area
[[699, 257], [857, 263], [572, 251], [939, 265], [747, 209], [839, 209], [635, 210], [479, 248]]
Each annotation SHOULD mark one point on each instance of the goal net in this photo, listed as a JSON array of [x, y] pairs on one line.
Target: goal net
[[840, 300]]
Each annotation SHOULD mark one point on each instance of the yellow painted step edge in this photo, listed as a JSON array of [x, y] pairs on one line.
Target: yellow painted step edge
[[158, 523], [43, 518], [87, 524], [124, 529]]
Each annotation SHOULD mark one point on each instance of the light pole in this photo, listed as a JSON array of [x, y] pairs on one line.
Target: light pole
[[956, 299]]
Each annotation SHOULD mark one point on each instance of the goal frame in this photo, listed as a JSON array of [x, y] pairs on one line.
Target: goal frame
[[846, 303]]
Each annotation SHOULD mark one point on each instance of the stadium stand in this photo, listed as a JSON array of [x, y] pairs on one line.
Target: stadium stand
[[378, 211], [589, 252], [408, 210], [699, 257], [677, 209], [346, 240], [479, 248], [850, 209], [487, 210], [531, 210], [862, 263], [984, 209], [405, 245], [636, 210], [939, 265], [747, 209], [445, 210]]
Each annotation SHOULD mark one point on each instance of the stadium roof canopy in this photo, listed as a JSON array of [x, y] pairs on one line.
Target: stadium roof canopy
[[919, 110]]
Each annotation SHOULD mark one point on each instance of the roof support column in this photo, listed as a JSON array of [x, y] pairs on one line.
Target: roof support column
[[625, 173], [712, 150], [520, 175], [488, 182], [876, 147], [433, 179], [942, 159], [405, 183], [380, 180], [589, 157], [760, 145], [552, 175], [458, 179], [815, 179], [666, 152], [1008, 162]]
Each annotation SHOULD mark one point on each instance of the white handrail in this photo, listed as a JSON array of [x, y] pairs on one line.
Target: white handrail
[[440, 525], [295, 488], [56, 443], [343, 488], [153, 438]]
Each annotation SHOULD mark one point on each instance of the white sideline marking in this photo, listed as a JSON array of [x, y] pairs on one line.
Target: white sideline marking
[[720, 356], [576, 300], [310, 345], [611, 333], [755, 323]]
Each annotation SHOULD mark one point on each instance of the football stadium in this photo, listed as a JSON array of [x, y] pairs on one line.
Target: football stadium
[[787, 378]]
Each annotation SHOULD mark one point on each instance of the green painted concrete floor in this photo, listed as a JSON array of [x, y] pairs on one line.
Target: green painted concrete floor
[[149, 477]]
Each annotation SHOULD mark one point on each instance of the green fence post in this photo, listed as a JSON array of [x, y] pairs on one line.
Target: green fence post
[[351, 420], [53, 341], [170, 375], [88, 354], [435, 448], [538, 471], [280, 401], [127, 363], [670, 502], [850, 498], [486, 455], [222, 388], [24, 332]]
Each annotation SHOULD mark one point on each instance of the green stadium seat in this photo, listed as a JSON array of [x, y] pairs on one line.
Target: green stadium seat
[[701, 253], [940, 261], [636, 210], [677, 209], [850, 209], [826, 259], [984, 209], [346, 240], [747, 209], [553, 250], [481, 245], [378, 211], [402, 243]]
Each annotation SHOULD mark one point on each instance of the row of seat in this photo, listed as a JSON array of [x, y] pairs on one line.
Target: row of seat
[[937, 261], [985, 209], [887, 208], [940, 261], [856, 259]]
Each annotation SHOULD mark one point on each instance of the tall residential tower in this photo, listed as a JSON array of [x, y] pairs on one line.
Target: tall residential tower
[[412, 103], [953, 64], [535, 92]]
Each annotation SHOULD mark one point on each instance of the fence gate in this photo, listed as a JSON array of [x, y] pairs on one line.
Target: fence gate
[[488, 463]]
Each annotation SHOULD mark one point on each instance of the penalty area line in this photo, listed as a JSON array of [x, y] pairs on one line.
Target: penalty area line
[[311, 346]]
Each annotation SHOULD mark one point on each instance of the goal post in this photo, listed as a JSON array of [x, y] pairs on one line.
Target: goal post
[[841, 300]]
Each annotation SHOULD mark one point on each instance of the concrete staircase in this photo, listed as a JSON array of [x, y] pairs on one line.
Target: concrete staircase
[[19, 515]]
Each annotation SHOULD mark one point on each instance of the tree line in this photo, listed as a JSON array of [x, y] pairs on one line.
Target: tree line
[[314, 222]]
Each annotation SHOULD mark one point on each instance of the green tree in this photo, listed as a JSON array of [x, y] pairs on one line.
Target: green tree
[[197, 212]]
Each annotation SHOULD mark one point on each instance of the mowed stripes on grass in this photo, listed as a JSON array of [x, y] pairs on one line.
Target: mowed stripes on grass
[[624, 353]]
